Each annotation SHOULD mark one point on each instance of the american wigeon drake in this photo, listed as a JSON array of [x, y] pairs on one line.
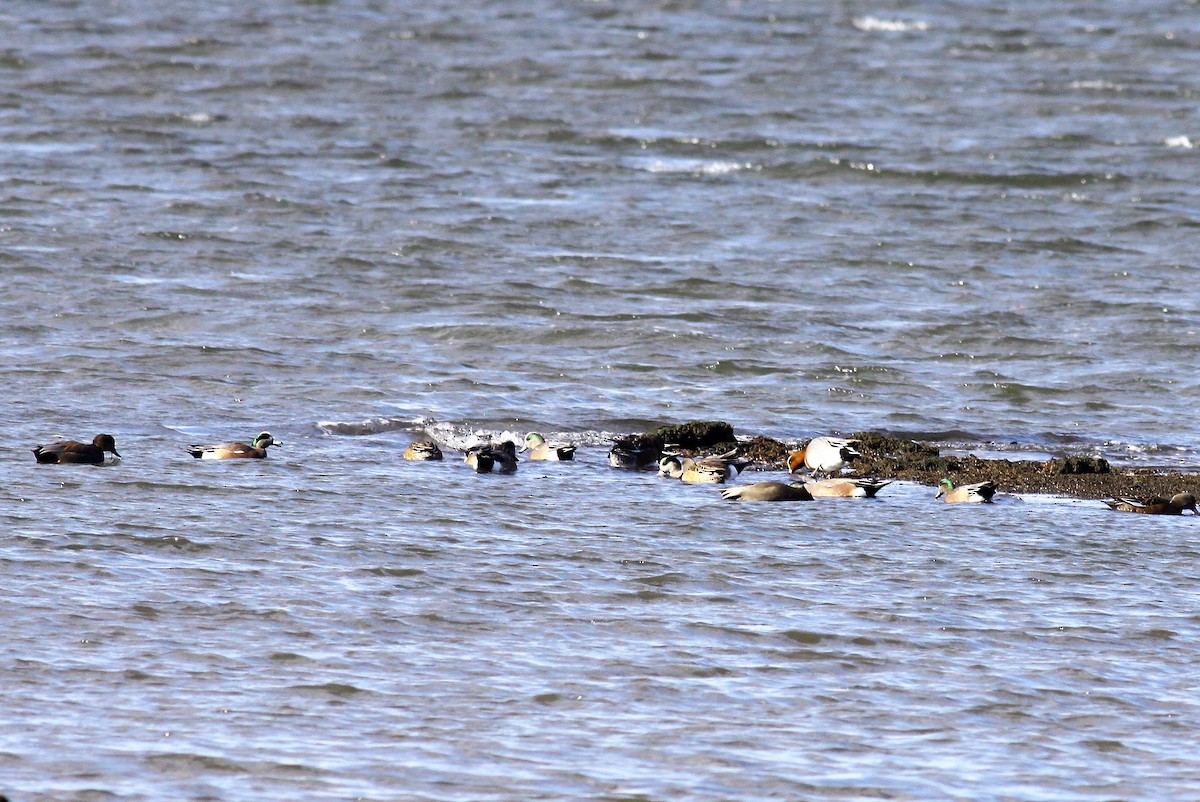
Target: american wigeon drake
[[1155, 505], [423, 451], [635, 453], [671, 466], [704, 472], [256, 450], [710, 470], [846, 488], [539, 449], [68, 451], [767, 491], [823, 455], [977, 493], [489, 458]]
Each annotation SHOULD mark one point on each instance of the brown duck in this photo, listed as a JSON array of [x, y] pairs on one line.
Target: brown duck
[[767, 491], [1155, 505], [73, 451], [423, 451]]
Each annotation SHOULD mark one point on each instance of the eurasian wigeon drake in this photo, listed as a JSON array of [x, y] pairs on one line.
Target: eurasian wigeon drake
[[489, 458], [635, 453], [1156, 505], [767, 491], [823, 455], [423, 451], [72, 451], [539, 449], [710, 470], [256, 450], [977, 493], [846, 488]]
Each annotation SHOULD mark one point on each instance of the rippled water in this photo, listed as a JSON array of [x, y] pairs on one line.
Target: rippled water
[[352, 222]]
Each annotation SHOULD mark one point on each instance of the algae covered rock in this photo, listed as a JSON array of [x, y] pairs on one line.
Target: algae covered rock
[[767, 452], [878, 445], [1077, 465], [697, 435], [892, 456]]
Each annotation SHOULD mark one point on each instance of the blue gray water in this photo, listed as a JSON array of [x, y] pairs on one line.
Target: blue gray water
[[350, 223]]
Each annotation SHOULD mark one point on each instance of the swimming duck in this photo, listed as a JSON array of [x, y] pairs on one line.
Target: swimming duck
[[422, 451], [1155, 505], [767, 491], [65, 451], [710, 470], [671, 466], [823, 455], [539, 449], [257, 450], [845, 488], [635, 453], [488, 458], [977, 493]]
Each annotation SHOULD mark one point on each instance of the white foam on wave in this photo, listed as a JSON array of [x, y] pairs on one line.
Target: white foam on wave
[[369, 426], [1097, 85], [1178, 142], [462, 435], [870, 23], [694, 166]]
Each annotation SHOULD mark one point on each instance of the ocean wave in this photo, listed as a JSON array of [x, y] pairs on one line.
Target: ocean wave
[[870, 23], [693, 166], [369, 426]]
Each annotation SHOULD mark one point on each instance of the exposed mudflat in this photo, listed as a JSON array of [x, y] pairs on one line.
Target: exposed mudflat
[[1078, 477], [893, 458]]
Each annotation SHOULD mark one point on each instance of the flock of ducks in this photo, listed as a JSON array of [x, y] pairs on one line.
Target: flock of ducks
[[814, 470]]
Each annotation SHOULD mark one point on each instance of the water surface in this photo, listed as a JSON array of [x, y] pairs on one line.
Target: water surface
[[353, 223]]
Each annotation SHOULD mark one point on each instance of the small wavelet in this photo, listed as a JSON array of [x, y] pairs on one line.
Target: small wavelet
[[339, 690], [870, 23], [692, 166]]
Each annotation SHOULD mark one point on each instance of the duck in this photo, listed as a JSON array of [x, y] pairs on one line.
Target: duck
[[845, 488], [767, 491], [670, 466], [703, 472], [488, 458], [539, 449], [423, 451], [72, 451], [257, 449], [1155, 505], [823, 455], [635, 453], [977, 493], [710, 470]]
